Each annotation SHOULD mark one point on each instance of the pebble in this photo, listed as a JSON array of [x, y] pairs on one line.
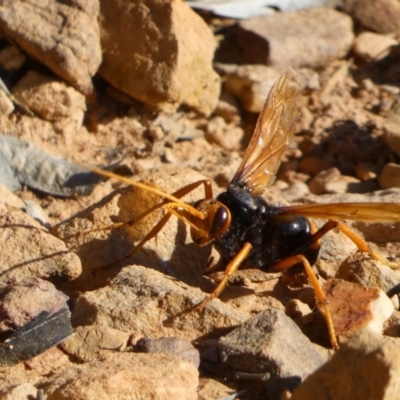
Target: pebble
[[390, 176], [373, 46]]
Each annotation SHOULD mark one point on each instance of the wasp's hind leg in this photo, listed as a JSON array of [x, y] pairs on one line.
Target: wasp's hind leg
[[364, 246]]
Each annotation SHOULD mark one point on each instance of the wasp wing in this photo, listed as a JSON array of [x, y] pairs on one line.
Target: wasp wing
[[273, 132], [366, 212]]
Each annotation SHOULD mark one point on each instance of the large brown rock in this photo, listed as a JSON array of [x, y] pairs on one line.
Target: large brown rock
[[165, 56], [66, 38]]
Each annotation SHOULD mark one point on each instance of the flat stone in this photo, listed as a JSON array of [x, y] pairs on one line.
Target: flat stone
[[29, 251], [89, 342], [146, 302], [309, 38], [127, 376]]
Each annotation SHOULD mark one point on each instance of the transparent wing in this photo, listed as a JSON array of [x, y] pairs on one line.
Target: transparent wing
[[366, 212], [273, 132]]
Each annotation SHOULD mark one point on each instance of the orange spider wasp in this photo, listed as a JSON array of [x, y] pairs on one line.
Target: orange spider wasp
[[243, 226]]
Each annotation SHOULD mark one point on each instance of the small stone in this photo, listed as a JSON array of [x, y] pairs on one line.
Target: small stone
[[296, 191], [228, 109], [366, 171], [392, 127], [390, 176], [318, 183], [250, 84], [11, 59], [313, 165], [170, 345], [372, 46], [367, 367], [228, 137], [296, 309]]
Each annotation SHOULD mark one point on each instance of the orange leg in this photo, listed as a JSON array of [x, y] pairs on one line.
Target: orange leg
[[230, 269], [178, 194], [322, 302], [177, 209], [363, 245]]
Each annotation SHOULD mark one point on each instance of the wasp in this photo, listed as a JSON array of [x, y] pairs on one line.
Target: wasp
[[243, 226]]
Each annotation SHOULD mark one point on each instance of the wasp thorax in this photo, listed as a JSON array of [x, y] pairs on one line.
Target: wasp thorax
[[216, 221]]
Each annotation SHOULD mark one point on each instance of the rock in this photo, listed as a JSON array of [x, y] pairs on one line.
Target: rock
[[19, 392], [127, 376], [170, 52], [172, 251], [251, 84], [229, 137], [270, 343], [6, 105], [313, 165], [11, 59], [228, 108], [354, 307], [365, 368], [331, 181], [366, 271], [392, 127], [296, 191], [29, 251], [64, 37], [382, 16], [366, 171], [390, 176], [24, 300], [9, 199], [50, 98], [308, 38], [148, 303], [372, 46], [211, 389], [318, 184], [48, 363], [170, 345], [89, 342]]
